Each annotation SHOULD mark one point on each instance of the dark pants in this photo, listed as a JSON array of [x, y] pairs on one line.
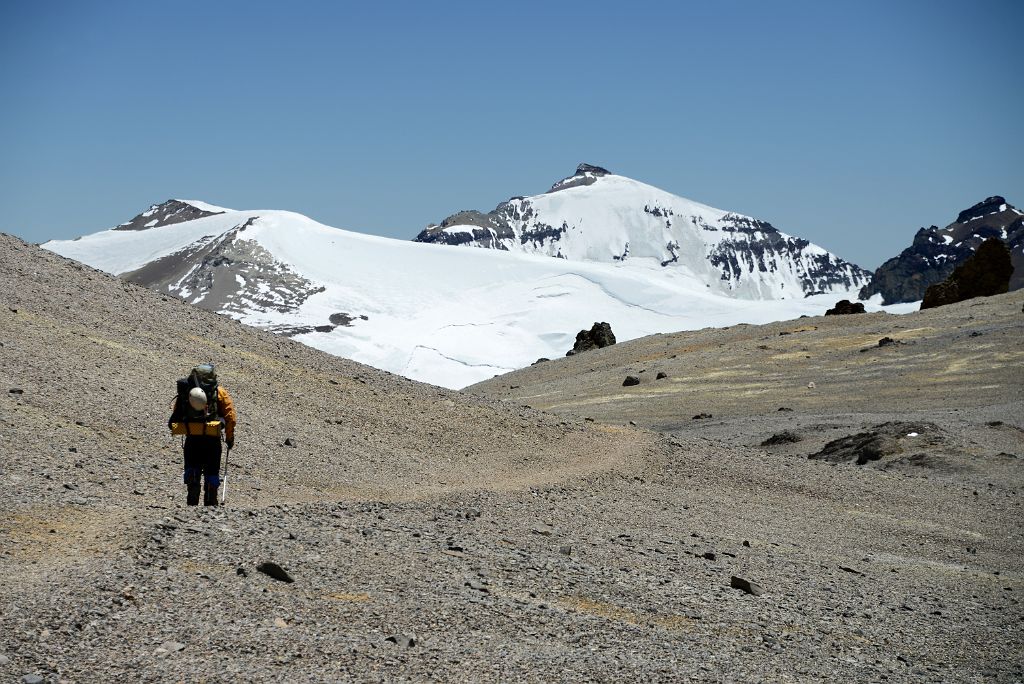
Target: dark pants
[[202, 460]]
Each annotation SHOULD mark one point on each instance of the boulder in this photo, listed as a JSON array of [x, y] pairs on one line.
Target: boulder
[[630, 381], [844, 307], [600, 335], [784, 437], [985, 274], [275, 571]]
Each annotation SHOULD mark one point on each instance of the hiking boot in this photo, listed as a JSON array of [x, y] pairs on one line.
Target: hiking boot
[[210, 496], [192, 498]]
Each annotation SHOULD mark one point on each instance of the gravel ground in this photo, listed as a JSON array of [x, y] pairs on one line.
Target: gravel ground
[[437, 535]]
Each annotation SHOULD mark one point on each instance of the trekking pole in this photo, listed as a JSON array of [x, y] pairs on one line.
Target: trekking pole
[[224, 480]]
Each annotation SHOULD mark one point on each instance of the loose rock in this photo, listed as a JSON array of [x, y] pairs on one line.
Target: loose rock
[[745, 586], [275, 571]]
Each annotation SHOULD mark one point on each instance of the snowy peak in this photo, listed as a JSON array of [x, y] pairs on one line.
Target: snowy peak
[[170, 212], [936, 252], [595, 215]]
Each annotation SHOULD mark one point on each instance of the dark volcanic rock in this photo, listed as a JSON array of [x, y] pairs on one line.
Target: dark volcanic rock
[[784, 437], [935, 252], [844, 307], [745, 586], [882, 441], [630, 381], [861, 448], [599, 336], [275, 571], [986, 273]]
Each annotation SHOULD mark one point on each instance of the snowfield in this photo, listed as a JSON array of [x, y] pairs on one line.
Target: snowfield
[[442, 315]]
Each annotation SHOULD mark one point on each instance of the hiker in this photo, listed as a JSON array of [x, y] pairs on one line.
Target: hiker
[[202, 409]]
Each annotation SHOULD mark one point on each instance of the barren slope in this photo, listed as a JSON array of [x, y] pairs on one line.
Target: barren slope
[[437, 535]]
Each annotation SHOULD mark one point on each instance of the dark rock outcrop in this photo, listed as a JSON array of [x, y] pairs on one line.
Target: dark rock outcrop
[[630, 381], [936, 252], [585, 174], [784, 437], [170, 212], [986, 273], [845, 307], [599, 336]]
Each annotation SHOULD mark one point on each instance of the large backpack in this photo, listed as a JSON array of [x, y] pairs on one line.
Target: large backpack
[[204, 377]]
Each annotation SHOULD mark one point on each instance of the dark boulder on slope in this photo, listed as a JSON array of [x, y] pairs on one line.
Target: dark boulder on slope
[[845, 307], [599, 336]]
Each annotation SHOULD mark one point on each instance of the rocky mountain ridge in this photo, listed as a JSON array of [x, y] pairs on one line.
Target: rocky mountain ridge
[[596, 215], [935, 252]]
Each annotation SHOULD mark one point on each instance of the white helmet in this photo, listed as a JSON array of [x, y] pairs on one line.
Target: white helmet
[[197, 398]]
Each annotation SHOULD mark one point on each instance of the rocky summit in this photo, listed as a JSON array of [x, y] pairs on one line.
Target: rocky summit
[[552, 525], [936, 252]]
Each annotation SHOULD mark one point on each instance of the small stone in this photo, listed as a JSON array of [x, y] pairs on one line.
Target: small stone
[[4, 660], [630, 381], [17, 390], [661, 375], [275, 571], [746, 543], [289, 442], [710, 555], [169, 647], [811, 385], [565, 550], [32, 679], [702, 416], [280, 623], [745, 586], [402, 640]]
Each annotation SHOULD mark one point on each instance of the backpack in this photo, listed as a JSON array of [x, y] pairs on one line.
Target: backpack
[[204, 377]]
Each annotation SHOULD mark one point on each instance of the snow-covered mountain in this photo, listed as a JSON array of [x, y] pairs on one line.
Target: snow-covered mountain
[[935, 251], [447, 316], [594, 215]]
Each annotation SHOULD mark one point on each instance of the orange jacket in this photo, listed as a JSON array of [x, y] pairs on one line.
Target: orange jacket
[[227, 412], [225, 407]]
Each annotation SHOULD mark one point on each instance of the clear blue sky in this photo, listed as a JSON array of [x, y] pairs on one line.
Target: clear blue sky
[[848, 123]]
